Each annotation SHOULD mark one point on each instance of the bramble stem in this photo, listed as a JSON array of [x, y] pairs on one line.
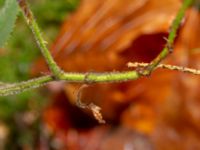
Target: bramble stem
[[58, 74]]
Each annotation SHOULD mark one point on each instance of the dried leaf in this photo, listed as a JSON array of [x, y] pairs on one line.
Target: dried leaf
[[103, 35]]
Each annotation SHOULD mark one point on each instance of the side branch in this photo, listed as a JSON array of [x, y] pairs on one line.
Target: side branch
[[54, 68], [170, 40]]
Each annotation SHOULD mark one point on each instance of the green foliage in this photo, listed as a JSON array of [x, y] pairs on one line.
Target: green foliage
[[1, 3], [8, 16]]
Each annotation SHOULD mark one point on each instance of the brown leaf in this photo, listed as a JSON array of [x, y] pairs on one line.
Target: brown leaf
[[103, 35]]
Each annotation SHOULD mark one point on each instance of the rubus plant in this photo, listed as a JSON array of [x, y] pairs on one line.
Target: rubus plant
[[8, 15]]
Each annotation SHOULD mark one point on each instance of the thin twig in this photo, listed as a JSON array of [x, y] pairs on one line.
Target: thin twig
[[166, 66]]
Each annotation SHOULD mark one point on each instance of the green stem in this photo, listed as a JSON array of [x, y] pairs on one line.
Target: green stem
[[170, 40], [15, 88]]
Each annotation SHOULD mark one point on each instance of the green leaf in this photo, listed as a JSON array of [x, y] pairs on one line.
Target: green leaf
[[8, 16]]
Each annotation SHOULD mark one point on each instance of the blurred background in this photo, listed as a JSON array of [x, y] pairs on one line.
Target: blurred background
[[160, 112]]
